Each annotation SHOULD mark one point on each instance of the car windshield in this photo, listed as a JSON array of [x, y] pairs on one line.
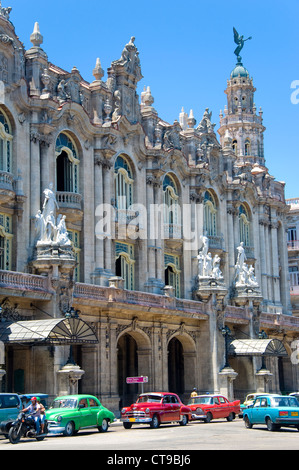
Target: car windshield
[[285, 401], [65, 403], [149, 399], [200, 400], [250, 397]]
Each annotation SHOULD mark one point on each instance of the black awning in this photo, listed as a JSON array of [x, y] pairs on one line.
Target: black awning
[[54, 331], [257, 347]]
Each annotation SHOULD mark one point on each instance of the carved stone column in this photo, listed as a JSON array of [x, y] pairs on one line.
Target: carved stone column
[[226, 377]]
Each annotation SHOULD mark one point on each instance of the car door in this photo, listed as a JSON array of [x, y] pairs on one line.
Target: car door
[[224, 406], [94, 409], [166, 412], [216, 409], [255, 411], [176, 408], [85, 413]]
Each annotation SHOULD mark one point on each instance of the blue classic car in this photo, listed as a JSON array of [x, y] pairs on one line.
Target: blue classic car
[[273, 411]]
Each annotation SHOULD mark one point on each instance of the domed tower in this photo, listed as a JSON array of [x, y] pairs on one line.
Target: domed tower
[[240, 122]]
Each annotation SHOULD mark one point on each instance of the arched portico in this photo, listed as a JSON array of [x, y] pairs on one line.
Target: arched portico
[[182, 357], [133, 360]]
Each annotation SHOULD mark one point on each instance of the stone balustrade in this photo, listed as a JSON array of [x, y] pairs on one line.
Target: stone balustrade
[[38, 286], [24, 282], [143, 299]]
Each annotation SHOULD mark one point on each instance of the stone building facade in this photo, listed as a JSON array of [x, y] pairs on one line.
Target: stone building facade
[[174, 264], [293, 252]]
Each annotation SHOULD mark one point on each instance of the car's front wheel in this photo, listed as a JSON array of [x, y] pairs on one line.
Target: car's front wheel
[[209, 418], [69, 429], [127, 425], [184, 420], [155, 423], [104, 426], [248, 424]]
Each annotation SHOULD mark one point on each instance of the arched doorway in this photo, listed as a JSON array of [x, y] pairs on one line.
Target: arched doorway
[[133, 360], [182, 364], [176, 383], [127, 366]]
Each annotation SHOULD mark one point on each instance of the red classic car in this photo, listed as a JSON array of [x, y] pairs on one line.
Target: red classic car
[[208, 407], [155, 409]]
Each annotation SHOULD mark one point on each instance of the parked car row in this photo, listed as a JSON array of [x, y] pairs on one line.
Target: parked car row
[[69, 414]]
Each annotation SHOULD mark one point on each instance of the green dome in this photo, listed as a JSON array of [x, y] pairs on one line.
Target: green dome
[[239, 70]]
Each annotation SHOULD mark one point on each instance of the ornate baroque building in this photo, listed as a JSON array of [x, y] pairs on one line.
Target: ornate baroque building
[[130, 246], [293, 251]]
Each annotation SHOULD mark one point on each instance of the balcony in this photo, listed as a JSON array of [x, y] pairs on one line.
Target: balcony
[[117, 298], [216, 243], [293, 202], [293, 245], [25, 285], [249, 251], [6, 187], [172, 231], [70, 204], [294, 291]]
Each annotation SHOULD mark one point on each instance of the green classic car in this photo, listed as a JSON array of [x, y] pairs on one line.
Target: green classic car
[[68, 414]]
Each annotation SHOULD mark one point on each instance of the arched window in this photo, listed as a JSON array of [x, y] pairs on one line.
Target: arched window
[[123, 180], [210, 215], [247, 147], [173, 273], [244, 225], [5, 143], [171, 201], [67, 164], [124, 264], [5, 241], [235, 147]]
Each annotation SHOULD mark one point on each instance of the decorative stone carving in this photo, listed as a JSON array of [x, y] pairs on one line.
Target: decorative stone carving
[[209, 279], [5, 11], [130, 60], [244, 275], [208, 267], [36, 38], [246, 287], [49, 230], [98, 72], [62, 91]]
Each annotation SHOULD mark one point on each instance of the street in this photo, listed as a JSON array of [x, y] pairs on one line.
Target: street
[[217, 435]]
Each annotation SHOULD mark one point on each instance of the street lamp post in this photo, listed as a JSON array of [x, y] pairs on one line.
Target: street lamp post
[[226, 332]]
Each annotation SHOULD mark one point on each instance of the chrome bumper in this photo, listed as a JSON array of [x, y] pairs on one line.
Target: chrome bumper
[[135, 419], [198, 416]]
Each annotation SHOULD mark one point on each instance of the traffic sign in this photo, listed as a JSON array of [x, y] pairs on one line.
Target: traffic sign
[[137, 380]]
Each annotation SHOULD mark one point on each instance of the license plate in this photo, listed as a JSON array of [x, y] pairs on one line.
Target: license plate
[[132, 420], [294, 413]]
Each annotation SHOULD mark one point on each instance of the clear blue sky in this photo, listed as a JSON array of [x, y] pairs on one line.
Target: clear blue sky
[[186, 52]]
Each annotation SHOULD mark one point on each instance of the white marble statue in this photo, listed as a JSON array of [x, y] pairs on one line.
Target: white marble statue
[[49, 231], [208, 267], [50, 202], [62, 237], [244, 274], [241, 257]]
